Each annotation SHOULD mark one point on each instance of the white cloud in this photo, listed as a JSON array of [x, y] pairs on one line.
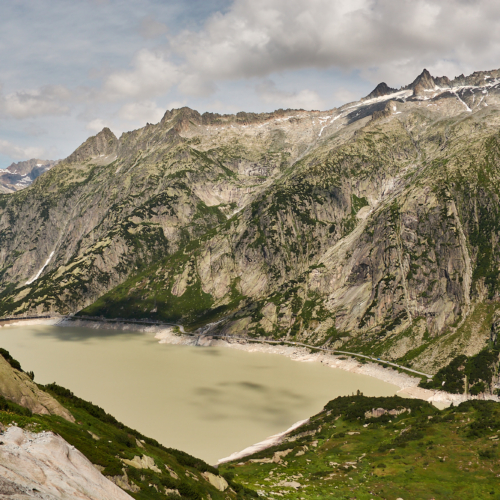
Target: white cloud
[[143, 111], [20, 153], [343, 95], [256, 38], [151, 28], [96, 125], [107, 70], [305, 99], [46, 101], [152, 74]]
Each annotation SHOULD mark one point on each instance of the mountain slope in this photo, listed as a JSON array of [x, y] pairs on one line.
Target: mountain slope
[[374, 226]]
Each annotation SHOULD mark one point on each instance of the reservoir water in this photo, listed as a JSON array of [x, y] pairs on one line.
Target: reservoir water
[[207, 401]]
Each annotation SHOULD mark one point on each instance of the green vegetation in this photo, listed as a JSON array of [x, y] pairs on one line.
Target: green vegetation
[[12, 362], [463, 374], [412, 450], [15, 409]]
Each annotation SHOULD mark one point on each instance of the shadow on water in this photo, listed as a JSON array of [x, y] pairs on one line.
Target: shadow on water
[[247, 401], [246, 385], [76, 334], [207, 351]]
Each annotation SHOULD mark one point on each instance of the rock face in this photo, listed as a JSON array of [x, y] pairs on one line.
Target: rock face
[[380, 90], [16, 386], [424, 81], [45, 466], [374, 226], [102, 144], [20, 175], [218, 481]]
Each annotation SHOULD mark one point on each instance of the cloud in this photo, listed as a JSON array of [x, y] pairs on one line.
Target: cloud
[[343, 95], [152, 74], [151, 28], [20, 153], [118, 62], [390, 38], [96, 125], [34, 130], [144, 111], [49, 100], [305, 99]]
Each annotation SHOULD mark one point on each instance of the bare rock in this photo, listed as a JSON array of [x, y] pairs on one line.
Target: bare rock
[[218, 481], [45, 466], [17, 387]]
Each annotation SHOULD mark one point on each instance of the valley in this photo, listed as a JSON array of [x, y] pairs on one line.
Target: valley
[[370, 227], [371, 230]]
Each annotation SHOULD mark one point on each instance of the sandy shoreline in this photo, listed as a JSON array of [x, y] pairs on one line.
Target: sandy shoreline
[[31, 322]]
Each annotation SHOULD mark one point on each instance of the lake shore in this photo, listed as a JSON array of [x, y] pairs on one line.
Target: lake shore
[[30, 322], [408, 384]]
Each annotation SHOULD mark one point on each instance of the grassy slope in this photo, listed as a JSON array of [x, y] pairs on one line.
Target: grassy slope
[[424, 454]]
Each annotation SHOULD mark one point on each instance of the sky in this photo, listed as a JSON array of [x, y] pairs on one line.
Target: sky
[[71, 67]]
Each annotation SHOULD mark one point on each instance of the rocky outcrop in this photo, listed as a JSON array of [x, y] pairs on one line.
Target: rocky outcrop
[[380, 90], [218, 481], [495, 328], [424, 81], [16, 386], [102, 144], [45, 466]]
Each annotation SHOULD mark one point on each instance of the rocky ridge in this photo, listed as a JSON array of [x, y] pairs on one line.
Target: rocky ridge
[[373, 226], [20, 175]]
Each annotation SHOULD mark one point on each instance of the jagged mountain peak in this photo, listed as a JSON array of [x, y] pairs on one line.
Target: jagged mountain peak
[[424, 80], [380, 90], [102, 144]]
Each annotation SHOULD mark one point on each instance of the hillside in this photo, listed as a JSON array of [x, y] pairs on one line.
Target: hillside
[[373, 227], [356, 447], [375, 448]]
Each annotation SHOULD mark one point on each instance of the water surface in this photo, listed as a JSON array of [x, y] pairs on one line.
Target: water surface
[[208, 401]]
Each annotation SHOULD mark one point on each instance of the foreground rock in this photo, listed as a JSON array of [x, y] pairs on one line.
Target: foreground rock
[[45, 466]]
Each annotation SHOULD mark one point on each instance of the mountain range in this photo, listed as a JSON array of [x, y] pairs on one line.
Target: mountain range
[[20, 175], [374, 226]]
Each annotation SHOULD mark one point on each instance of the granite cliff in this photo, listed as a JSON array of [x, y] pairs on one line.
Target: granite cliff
[[374, 226]]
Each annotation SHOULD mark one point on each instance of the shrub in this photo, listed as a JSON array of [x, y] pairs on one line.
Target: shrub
[[13, 362]]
